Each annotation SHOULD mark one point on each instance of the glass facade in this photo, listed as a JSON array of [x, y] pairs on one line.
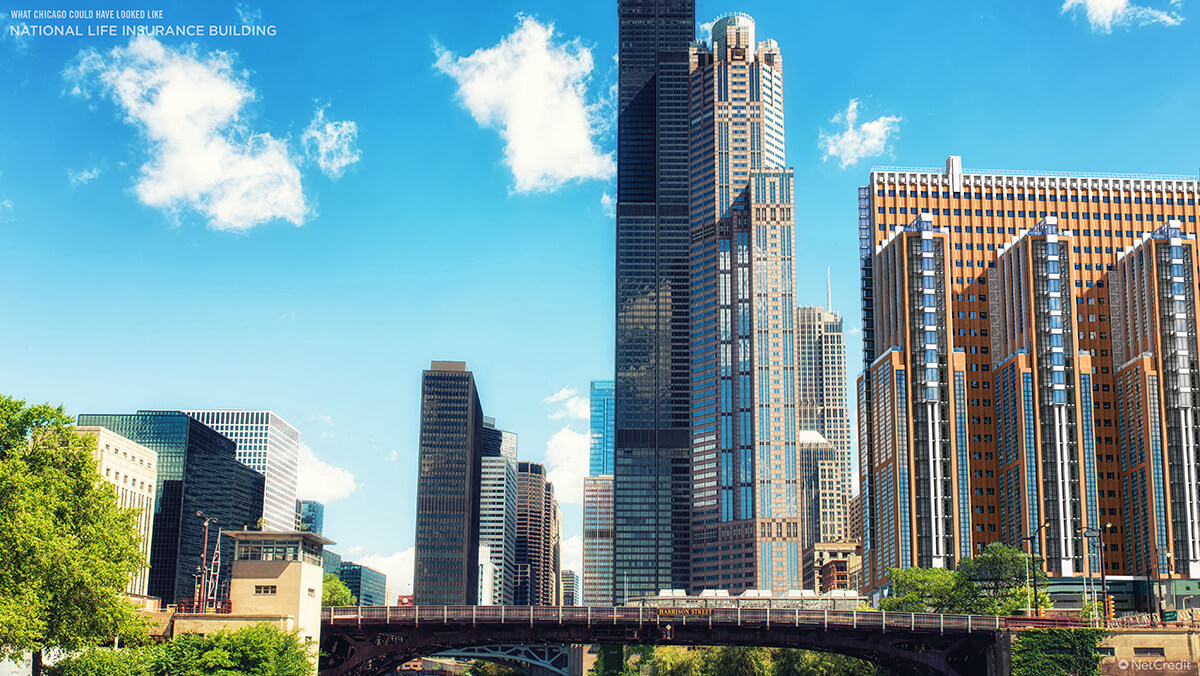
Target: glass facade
[[198, 471], [271, 446], [312, 516], [652, 462], [448, 484], [603, 428], [368, 585]]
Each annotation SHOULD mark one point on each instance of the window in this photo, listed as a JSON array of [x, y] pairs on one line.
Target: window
[[312, 593], [266, 590]]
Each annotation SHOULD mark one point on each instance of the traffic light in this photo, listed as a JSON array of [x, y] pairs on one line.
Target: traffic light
[[1110, 607]]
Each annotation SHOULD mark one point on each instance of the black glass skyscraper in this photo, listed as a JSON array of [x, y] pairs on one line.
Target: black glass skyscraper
[[652, 468], [446, 565], [198, 471]]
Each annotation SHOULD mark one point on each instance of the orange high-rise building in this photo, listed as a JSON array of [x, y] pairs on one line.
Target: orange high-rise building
[[989, 404]]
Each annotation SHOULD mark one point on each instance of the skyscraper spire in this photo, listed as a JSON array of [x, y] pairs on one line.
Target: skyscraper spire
[[828, 290]]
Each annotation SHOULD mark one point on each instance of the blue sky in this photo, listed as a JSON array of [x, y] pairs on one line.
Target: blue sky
[[302, 221]]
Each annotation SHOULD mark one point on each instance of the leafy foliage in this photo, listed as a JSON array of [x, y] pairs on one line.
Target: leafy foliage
[[1055, 652], [485, 668], [736, 661], [256, 650], [334, 592], [789, 662], [69, 550], [992, 583]]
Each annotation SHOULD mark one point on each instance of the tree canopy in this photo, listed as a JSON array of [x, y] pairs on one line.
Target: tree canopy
[[991, 583], [69, 550], [732, 661], [256, 650], [334, 592]]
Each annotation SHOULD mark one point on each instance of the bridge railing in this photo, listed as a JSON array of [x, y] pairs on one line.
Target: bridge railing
[[627, 615]]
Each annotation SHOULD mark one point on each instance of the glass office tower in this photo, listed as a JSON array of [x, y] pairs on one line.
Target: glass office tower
[[652, 463], [448, 481], [271, 446], [603, 430], [198, 471], [498, 513]]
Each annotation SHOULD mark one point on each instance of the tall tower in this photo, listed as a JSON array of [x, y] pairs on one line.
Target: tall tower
[[445, 570], [821, 382], [746, 523], [652, 472], [498, 512], [538, 553], [1029, 351], [597, 540], [1154, 319]]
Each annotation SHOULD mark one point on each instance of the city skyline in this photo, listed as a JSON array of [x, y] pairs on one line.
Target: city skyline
[[170, 311]]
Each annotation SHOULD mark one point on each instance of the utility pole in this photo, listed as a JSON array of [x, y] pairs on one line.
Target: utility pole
[[1091, 533], [1030, 538]]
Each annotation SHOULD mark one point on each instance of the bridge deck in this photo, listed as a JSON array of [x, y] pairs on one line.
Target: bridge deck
[[415, 616]]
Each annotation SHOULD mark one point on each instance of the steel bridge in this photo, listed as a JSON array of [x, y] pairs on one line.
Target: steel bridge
[[368, 641]]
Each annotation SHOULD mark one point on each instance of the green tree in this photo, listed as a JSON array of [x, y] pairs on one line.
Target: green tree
[[485, 668], [256, 650], [921, 590], [992, 583], [792, 662], [106, 662], [334, 592], [995, 580], [676, 661], [738, 661], [610, 660], [69, 550]]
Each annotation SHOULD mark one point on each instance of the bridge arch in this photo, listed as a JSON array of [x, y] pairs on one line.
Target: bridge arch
[[371, 641]]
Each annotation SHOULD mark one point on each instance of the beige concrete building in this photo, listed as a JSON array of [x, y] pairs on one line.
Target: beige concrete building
[[277, 579], [827, 565], [132, 469]]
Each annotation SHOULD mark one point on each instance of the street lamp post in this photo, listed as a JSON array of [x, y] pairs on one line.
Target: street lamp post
[[204, 563], [1030, 538], [1090, 533]]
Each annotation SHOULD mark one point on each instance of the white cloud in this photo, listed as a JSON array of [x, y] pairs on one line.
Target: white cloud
[[82, 176], [856, 142], [391, 457], [571, 404], [331, 144], [1104, 14], [532, 89], [572, 555], [567, 464], [320, 481], [6, 209], [398, 567], [19, 39], [609, 205], [249, 16], [564, 393], [704, 31], [191, 110]]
